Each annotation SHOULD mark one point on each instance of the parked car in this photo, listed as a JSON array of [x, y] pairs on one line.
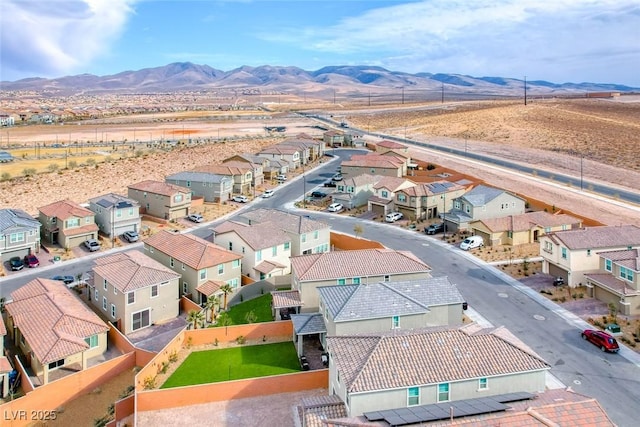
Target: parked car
[[240, 199], [65, 279], [16, 263], [337, 177], [31, 261], [131, 236], [435, 228], [335, 207], [281, 177], [330, 183], [267, 194], [601, 339], [318, 194], [92, 244], [393, 216], [194, 217], [471, 243]]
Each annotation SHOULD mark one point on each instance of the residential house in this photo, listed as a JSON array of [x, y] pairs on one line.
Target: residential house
[[67, 223], [354, 138], [374, 164], [572, 253], [383, 306], [257, 164], [213, 188], [427, 200], [5, 365], [522, 229], [265, 248], [6, 120], [307, 149], [275, 168], [355, 191], [204, 267], [334, 138], [115, 214], [308, 236], [309, 272], [134, 291], [19, 234], [482, 202], [382, 201], [53, 328], [617, 281], [241, 175], [291, 155], [161, 199], [386, 145], [395, 369]]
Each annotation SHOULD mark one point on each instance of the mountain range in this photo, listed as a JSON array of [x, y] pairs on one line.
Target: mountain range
[[186, 76]]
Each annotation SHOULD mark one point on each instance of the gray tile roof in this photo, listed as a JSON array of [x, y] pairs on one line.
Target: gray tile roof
[[290, 222], [357, 263], [428, 356], [481, 195], [258, 236], [10, 218], [599, 237], [387, 299], [308, 323], [625, 258], [113, 199], [197, 177], [132, 270]]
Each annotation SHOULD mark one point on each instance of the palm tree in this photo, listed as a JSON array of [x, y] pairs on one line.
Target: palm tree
[[213, 301], [226, 289], [195, 318]]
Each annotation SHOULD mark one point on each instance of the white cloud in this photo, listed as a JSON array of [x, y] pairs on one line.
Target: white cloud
[[49, 38]]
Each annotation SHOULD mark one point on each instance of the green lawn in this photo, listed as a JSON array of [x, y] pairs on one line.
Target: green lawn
[[210, 366], [260, 306]]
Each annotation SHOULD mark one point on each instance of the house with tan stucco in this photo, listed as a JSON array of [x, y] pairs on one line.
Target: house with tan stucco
[[617, 280], [67, 223]]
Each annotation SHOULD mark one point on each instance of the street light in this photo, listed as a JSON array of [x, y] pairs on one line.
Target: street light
[[444, 215]]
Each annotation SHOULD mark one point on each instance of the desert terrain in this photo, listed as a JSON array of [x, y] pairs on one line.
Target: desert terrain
[[596, 136]]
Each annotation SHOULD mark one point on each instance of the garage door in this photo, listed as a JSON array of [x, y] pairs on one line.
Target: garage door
[[377, 209], [179, 213], [20, 252], [120, 230], [77, 240], [556, 271]]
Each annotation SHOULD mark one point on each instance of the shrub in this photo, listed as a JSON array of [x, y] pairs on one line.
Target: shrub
[[173, 356], [241, 339], [72, 164], [91, 161], [149, 383], [6, 176], [29, 171], [431, 167], [52, 167]]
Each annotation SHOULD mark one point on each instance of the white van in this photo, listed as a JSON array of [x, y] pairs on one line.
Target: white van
[[471, 242]]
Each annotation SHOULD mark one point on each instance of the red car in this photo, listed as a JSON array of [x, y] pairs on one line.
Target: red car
[[602, 339], [31, 261]]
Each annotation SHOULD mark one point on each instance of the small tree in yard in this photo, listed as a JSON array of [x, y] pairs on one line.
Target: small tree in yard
[[213, 302], [226, 289], [250, 317], [358, 230], [195, 318]]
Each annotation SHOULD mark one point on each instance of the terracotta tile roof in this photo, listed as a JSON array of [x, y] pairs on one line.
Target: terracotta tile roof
[[599, 237], [280, 149], [52, 319], [5, 365], [379, 200], [128, 271], [281, 299], [360, 180], [3, 328], [159, 187], [374, 160], [224, 169], [193, 251], [210, 287], [297, 224], [625, 258], [314, 411], [64, 209], [392, 183], [358, 263], [267, 267], [432, 188], [409, 358], [529, 220], [608, 280], [85, 229], [390, 144], [258, 236]]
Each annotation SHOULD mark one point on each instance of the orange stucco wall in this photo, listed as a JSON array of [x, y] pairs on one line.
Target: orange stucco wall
[[183, 396], [124, 408], [186, 305], [150, 370], [123, 344], [344, 242], [57, 393]]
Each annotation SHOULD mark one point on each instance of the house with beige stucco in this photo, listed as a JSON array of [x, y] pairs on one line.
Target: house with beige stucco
[[386, 164], [134, 291], [382, 201], [67, 223], [522, 229], [19, 234], [391, 370], [355, 191], [161, 199], [427, 200], [572, 253], [204, 267], [53, 328], [617, 281], [310, 272], [264, 247]]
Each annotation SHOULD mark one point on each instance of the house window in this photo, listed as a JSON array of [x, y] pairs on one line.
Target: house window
[[274, 250], [233, 283], [548, 247], [467, 208], [384, 194], [104, 303], [154, 291], [131, 297], [259, 255], [341, 188], [626, 273], [402, 198], [341, 281], [171, 263], [395, 322], [56, 364], [443, 392], [16, 237], [115, 291], [95, 294], [564, 253], [456, 205], [185, 288], [483, 384], [510, 234], [182, 266], [286, 246], [303, 238], [75, 222], [230, 246], [316, 234], [235, 263], [147, 206], [355, 280], [547, 229], [372, 170], [387, 278], [413, 396], [130, 211], [92, 341], [113, 311], [588, 252], [140, 320], [119, 213], [607, 264]]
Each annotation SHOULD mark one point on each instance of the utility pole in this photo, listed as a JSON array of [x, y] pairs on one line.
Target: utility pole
[[525, 90], [403, 94], [442, 93]]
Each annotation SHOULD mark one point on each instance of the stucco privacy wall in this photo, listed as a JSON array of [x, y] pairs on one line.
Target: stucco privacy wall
[[344, 242], [122, 343], [59, 392]]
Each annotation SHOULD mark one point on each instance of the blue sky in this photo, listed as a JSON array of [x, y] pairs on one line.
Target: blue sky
[[555, 40]]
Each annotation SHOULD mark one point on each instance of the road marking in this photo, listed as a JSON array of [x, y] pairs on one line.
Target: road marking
[[503, 295], [538, 317]]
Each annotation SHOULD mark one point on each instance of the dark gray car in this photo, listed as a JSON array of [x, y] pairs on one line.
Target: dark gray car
[[434, 228]]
